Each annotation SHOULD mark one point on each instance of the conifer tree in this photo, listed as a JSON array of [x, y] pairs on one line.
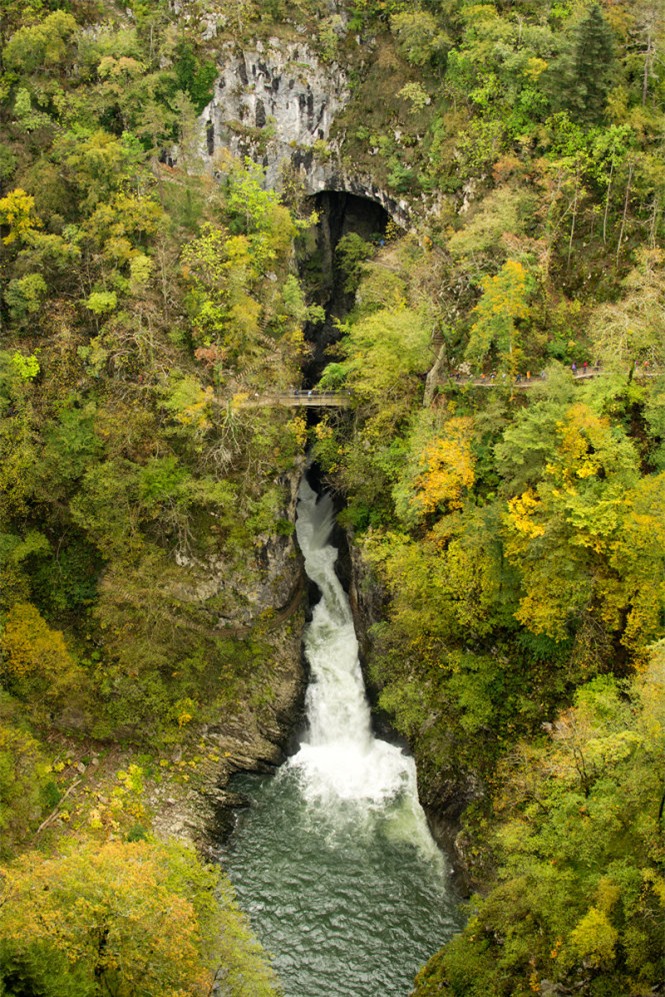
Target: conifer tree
[[594, 58], [581, 77]]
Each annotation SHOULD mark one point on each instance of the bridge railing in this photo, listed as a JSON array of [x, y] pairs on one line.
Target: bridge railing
[[294, 397]]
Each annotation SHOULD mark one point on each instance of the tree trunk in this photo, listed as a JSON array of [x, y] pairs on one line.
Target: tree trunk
[[625, 210], [572, 224], [607, 203], [433, 376], [648, 65]]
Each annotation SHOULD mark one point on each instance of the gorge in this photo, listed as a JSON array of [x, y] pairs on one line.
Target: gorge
[[243, 241], [333, 859]]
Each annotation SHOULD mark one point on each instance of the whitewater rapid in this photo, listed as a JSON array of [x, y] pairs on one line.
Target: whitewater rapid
[[339, 758]]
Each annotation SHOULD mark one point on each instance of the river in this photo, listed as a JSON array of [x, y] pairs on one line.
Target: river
[[333, 861]]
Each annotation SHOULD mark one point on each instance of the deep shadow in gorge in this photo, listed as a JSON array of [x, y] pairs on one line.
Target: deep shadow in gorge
[[339, 214]]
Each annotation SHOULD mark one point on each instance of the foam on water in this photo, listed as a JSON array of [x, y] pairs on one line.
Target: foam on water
[[339, 758]]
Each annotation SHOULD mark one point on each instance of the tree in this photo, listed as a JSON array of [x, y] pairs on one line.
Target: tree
[[578, 898], [580, 79], [12, 14], [647, 31], [44, 46], [631, 330], [492, 228], [579, 533], [36, 664], [17, 212], [386, 352], [502, 306], [351, 253], [439, 469], [125, 918], [24, 783], [419, 36]]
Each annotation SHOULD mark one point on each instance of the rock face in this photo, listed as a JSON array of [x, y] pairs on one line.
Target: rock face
[[253, 738], [270, 580], [277, 103], [273, 103], [201, 813]]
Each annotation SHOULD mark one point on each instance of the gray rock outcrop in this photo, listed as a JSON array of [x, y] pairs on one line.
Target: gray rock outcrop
[[276, 103]]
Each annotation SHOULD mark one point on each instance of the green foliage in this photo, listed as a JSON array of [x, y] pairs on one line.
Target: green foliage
[[70, 447], [578, 893], [386, 352], [7, 162], [25, 296], [416, 95], [502, 214], [124, 916], [588, 472], [419, 36], [35, 663], [582, 76], [502, 306], [27, 367], [101, 302], [45, 45], [24, 778], [629, 332], [351, 253]]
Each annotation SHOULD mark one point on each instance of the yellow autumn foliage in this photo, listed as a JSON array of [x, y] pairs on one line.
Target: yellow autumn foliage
[[34, 657], [122, 893], [594, 938], [17, 211], [521, 511], [448, 467]]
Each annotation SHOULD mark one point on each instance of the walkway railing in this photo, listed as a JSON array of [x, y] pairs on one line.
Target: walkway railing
[[529, 380], [310, 398], [299, 397]]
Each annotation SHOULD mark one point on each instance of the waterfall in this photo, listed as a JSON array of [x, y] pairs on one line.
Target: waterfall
[[339, 757]]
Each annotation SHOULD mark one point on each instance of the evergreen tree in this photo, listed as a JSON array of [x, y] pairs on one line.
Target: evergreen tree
[[581, 77], [594, 64]]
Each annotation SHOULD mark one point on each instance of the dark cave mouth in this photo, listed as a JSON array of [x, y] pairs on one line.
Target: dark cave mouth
[[345, 212], [340, 213]]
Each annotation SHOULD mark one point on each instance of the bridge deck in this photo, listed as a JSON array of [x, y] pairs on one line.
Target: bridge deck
[[296, 399]]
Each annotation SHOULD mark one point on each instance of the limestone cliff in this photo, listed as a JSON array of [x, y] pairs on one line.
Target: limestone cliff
[[277, 103]]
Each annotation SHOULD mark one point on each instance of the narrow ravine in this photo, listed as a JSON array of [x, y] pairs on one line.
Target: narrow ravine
[[333, 859]]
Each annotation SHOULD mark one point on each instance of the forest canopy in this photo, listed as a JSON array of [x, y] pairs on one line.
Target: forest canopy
[[501, 465]]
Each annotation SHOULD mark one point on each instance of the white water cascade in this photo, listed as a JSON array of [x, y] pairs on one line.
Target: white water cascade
[[340, 759]]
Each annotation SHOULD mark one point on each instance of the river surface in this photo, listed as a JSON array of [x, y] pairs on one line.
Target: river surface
[[333, 861]]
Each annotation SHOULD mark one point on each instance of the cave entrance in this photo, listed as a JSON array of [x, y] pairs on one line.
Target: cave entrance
[[340, 213]]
